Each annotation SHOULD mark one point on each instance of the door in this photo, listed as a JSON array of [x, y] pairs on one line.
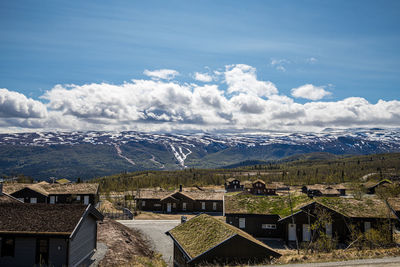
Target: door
[[42, 251], [328, 228], [33, 200], [168, 207], [306, 233], [86, 200], [52, 199], [203, 205], [214, 205], [367, 226], [292, 232]]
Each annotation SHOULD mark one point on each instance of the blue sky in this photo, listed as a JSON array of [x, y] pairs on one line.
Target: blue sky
[[349, 48]]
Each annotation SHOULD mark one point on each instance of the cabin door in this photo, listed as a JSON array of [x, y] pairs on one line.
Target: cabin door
[[42, 251], [86, 200], [292, 232], [168, 207], [306, 233]]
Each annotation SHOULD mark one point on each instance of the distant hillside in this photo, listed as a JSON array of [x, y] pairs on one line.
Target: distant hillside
[[93, 154]]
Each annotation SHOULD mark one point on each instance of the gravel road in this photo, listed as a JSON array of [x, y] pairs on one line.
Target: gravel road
[[155, 231], [385, 262]]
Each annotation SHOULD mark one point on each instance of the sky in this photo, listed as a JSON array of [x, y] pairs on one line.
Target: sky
[[199, 65]]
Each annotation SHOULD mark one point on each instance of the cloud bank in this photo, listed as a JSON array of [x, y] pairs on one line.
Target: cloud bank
[[240, 102]]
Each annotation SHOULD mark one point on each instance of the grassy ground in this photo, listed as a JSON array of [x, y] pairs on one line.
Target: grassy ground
[[126, 247], [291, 256]]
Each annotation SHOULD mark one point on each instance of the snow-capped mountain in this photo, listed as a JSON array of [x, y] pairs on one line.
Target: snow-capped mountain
[[114, 152]]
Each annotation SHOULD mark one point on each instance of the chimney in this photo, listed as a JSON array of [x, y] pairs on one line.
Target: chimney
[[180, 188]]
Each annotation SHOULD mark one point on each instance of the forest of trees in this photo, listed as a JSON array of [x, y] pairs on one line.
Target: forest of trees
[[301, 170]]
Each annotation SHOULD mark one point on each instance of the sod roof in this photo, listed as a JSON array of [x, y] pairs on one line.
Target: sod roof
[[364, 208], [39, 218], [46, 189], [204, 232], [6, 198], [251, 204], [196, 195]]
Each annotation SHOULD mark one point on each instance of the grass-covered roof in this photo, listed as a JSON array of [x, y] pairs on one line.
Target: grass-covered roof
[[251, 204], [364, 208], [204, 232]]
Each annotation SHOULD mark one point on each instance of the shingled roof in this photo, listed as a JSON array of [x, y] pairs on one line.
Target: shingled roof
[[42, 218], [204, 232]]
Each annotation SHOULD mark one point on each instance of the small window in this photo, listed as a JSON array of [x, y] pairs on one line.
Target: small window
[[184, 206], [203, 205], [7, 247], [33, 200], [242, 223], [78, 197], [157, 205], [268, 226], [367, 226], [143, 203]]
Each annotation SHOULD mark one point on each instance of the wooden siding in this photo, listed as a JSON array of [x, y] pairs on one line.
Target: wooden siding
[[253, 224], [27, 194], [191, 206], [24, 253], [84, 241]]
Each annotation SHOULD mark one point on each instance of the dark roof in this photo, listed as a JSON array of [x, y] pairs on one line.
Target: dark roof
[[60, 219], [204, 232], [6, 198]]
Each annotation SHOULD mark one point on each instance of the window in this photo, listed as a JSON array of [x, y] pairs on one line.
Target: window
[[52, 199], [328, 228], [367, 226], [203, 205], [7, 247], [184, 206], [214, 205], [33, 200], [157, 205], [143, 203], [242, 223], [268, 226], [78, 197], [86, 200]]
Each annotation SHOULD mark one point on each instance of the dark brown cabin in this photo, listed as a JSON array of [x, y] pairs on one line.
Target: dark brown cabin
[[343, 212], [180, 201], [233, 185], [228, 246]]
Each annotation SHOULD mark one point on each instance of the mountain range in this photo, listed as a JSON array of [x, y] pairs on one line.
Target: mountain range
[[92, 154]]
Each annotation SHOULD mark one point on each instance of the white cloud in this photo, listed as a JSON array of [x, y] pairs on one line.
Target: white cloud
[[242, 78], [312, 60], [309, 91], [153, 105], [164, 74], [203, 77], [279, 64], [16, 105]]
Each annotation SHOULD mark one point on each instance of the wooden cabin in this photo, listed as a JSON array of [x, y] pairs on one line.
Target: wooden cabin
[[321, 190], [82, 193], [343, 212], [180, 201], [258, 187], [372, 186], [233, 185], [47, 235], [257, 219], [224, 245]]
